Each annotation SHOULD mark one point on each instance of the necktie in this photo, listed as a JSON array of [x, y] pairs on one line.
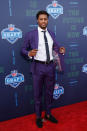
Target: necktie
[[47, 47]]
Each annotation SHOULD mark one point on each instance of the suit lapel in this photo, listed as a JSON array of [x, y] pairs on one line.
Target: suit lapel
[[51, 34], [36, 39]]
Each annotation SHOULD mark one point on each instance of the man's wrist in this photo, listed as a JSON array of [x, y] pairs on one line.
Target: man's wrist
[[29, 55]]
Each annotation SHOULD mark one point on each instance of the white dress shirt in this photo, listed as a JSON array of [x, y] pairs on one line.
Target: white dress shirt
[[41, 53]]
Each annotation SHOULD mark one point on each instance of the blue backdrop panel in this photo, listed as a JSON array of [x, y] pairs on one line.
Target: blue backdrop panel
[[70, 27]]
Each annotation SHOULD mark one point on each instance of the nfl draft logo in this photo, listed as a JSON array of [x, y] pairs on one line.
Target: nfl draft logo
[[54, 9], [84, 68], [85, 31], [58, 91], [11, 33], [14, 79]]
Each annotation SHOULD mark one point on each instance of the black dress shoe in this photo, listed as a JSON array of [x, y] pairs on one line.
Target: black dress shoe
[[39, 122], [51, 118]]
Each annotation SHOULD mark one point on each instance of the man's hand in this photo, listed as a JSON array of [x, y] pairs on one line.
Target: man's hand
[[62, 50], [32, 52]]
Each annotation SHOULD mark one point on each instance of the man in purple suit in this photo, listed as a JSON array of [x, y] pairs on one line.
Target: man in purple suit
[[38, 46]]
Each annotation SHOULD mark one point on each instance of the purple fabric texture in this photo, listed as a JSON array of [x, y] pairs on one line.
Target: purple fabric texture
[[43, 74]]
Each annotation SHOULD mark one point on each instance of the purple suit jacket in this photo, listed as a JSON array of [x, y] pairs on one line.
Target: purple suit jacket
[[31, 42]]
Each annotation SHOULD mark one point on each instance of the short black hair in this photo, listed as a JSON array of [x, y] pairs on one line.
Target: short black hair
[[41, 12]]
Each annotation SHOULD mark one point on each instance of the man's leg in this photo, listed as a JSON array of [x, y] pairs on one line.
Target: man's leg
[[37, 86], [49, 82], [38, 79]]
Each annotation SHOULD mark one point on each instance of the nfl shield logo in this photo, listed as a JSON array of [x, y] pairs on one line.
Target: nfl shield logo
[[14, 79], [84, 68], [11, 33], [58, 91], [54, 9], [85, 31]]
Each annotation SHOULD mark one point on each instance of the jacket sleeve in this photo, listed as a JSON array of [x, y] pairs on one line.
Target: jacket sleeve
[[56, 48], [26, 46]]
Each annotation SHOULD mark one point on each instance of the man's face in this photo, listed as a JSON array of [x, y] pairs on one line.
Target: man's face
[[42, 21]]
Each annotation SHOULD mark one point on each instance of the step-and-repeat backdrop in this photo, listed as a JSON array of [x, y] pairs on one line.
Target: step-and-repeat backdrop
[[68, 20]]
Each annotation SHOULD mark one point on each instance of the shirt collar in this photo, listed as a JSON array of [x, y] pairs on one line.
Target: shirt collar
[[39, 29]]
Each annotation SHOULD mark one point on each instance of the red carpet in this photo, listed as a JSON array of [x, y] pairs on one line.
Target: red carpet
[[71, 118]]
